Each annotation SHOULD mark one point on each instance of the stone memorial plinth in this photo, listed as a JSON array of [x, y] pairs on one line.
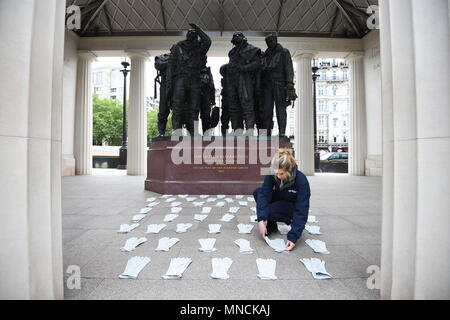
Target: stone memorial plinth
[[222, 165]]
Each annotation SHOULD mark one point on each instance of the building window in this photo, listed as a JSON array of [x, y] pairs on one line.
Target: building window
[[113, 89], [335, 123], [335, 90], [322, 121], [335, 139], [344, 74], [345, 136], [322, 105], [335, 107], [97, 89], [320, 91], [113, 97], [334, 75], [98, 78]]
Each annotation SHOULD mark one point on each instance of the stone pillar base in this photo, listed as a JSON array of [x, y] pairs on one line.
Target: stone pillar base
[[67, 165]]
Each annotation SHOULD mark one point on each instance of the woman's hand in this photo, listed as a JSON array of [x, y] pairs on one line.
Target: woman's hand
[[289, 245], [262, 229]]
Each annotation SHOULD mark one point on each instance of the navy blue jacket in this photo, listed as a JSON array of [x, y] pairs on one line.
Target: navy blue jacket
[[297, 192]]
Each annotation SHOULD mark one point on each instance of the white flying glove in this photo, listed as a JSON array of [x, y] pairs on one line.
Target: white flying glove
[[250, 199], [214, 228], [198, 203], [253, 209], [176, 268], [183, 196], [243, 203], [266, 268], [317, 268], [227, 217], [221, 196], [171, 199], [151, 199], [175, 204], [277, 244], [176, 209], [132, 243], [200, 217], [244, 246], [313, 229], [239, 196], [182, 227], [233, 209], [190, 199], [207, 245], [145, 210], [253, 218], [284, 228], [211, 199], [245, 228], [152, 204], [220, 204], [155, 228], [312, 219], [206, 210], [125, 228], [134, 266], [170, 217], [229, 200], [204, 196], [138, 217], [166, 196], [164, 244], [220, 268], [318, 246]]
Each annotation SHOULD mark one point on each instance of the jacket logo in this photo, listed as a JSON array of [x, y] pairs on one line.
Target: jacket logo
[[292, 191]]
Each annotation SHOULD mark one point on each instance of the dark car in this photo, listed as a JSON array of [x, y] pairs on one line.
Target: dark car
[[334, 162]]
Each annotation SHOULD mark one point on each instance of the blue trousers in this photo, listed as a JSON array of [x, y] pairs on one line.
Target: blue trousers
[[279, 210]]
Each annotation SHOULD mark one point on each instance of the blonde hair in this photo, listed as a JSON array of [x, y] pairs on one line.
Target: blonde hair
[[284, 159]]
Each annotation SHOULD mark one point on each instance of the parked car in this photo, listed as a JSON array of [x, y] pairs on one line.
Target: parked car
[[334, 162]]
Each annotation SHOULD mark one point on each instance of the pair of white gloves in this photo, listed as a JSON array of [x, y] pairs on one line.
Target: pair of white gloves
[[200, 217], [220, 268], [176, 268], [145, 210], [176, 209], [125, 228], [132, 243], [227, 217], [152, 204], [318, 246], [313, 229], [198, 203], [133, 267], [155, 228], [170, 217], [243, 203], [266, 268], [317, 268], [214, 228], [233, 209], [182, 227], [245, 228], [220, 204], [277, 244], [207, 245], [164, 244], [206, 210], [244, 246], [138, 217]]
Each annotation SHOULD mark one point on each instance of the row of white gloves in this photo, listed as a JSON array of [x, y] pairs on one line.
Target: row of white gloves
[[220, 266]]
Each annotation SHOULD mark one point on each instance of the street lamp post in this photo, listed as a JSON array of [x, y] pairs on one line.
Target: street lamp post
[[315, 76], [123, 150]]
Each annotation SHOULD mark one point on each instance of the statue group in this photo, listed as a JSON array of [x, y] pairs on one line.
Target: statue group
[[252, 83]]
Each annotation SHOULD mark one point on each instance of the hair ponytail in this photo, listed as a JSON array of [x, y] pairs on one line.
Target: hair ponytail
[[284, 159]]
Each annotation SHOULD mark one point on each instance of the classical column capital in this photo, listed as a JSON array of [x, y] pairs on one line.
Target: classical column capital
[[355, 55], [304, 54], [86, 54], [137, 53]]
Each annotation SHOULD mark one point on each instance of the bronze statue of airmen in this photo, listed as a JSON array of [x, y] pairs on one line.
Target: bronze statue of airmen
[[245, 62], [278, 84], [164, 101], [207, 97], [183, 77]]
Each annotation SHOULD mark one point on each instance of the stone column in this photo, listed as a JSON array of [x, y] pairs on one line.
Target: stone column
[[137, 115], [30, 146], [358, 135], [415, 237], [83, 114], [304, 121]]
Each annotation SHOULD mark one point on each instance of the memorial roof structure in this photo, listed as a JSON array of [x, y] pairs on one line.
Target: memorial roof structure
[[304, 18]]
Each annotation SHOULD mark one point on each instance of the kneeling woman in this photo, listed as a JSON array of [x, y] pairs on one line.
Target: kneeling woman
[[283, 197]]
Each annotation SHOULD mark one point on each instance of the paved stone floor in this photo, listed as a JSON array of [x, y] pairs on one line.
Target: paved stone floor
[[348, 210]]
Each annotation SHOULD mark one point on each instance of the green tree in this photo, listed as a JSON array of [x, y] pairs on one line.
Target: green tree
[[152, 124], [107, 121]]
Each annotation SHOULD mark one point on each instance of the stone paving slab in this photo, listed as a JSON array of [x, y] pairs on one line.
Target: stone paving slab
[[348, 210]]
